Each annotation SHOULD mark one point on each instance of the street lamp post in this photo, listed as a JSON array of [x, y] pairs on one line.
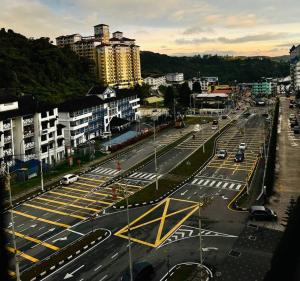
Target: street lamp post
[[200, 235]]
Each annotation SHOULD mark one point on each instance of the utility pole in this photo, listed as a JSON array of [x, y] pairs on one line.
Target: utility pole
[[155, 159], [174, 111], [8, 187]]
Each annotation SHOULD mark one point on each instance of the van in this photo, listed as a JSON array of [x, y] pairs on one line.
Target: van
[[70, 178]]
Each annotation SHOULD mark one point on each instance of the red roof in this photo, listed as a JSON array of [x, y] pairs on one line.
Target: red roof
[[225, 91]]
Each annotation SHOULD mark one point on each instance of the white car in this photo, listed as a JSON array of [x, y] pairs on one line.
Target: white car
[[70, 178], [242, 146]]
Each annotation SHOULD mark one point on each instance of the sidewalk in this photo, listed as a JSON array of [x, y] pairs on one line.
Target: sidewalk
[[287, 168]]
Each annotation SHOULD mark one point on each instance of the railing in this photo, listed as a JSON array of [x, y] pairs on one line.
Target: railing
[[29, 145], [7, 151], [6, 126], [28, 121], [28, 134], [29, 157], [7, 139]]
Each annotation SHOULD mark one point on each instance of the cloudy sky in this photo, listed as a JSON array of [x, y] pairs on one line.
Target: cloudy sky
[[174, 27]]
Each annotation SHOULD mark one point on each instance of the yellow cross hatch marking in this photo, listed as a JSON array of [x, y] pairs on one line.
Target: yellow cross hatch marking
[[159, 240], [40, 219], [23, 255], [54, 211], [68, 204], [37, 241]]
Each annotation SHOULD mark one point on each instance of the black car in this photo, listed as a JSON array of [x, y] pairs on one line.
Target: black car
[[294, 123], [262, 213], [239, 156], [296, 129], [141, 271]]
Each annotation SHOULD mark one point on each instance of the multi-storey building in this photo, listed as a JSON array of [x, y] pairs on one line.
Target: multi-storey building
[[155, 81], [89, 116], [175, 78], [29, 130], [205, 82], [116, 59], [295, 68], [266, 87]]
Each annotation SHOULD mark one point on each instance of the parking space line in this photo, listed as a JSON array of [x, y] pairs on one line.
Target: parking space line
[[37, 241], [23, 255], [67, 204], [40, 219], [54, 211]]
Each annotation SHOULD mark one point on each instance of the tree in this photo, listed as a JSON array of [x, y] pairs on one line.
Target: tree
[[184, 92], [197, 87], [169, 97]]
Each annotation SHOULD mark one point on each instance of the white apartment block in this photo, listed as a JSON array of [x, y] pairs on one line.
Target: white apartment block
[[155, 82], [29, 130], [89, 116], [295, 68], [205, 82], [68, 40], [175, 78]]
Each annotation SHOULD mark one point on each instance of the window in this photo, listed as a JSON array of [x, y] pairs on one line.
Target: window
[[51, 112], [44, 137], [44, 114]]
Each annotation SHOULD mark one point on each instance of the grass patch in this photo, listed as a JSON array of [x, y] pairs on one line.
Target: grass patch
[[63, 254]]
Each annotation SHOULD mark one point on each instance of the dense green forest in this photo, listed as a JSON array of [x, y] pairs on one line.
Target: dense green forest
[[40, 68], [228, 69]]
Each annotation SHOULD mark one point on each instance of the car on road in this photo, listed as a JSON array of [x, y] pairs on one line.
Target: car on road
[[141, 271], [68, 179], [224, 116], [242, 146], [292, 116], [222, 154], [214, 125], [262, 213], [239, 156]]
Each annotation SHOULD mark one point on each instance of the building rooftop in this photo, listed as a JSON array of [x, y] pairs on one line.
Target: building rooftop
[[101, 24]]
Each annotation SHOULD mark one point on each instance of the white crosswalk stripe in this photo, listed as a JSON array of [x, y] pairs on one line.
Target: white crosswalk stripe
[[105, 171], [215, 183], [142, 176]]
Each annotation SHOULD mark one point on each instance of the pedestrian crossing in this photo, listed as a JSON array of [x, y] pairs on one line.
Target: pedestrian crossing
[[105, 171], [142, 176], [214, 183]]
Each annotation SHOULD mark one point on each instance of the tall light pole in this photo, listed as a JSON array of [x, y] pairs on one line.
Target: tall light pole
[[7, 175], [200, 235]]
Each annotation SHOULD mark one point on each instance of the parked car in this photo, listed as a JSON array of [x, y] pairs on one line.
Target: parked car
[[141, 271], [222, 154], [296, 129], [292, 116], [242, 146], [262, 213], [239, 156], [224, 116], [214, 125], [70, 178], [294, 123]]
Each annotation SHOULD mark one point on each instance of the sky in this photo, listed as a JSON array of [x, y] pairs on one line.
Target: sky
[[173, 27]]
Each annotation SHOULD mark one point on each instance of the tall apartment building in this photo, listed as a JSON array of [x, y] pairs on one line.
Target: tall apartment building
[[29, 130], [117, 59], [295, 68], [266, 87], [89, 116]]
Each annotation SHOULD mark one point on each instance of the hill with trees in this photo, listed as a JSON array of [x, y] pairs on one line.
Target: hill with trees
[[228, 69], [35, 66]]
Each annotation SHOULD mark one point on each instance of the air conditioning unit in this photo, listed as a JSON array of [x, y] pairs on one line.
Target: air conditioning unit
[[44, 132]]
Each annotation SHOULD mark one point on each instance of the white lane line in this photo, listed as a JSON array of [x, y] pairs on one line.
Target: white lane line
[[212, 183], [152, 177], [194, 181], [225, 184], [103, 278], [79, 233], [232, 185], [201, 181], [206, 182], [134, 174], [114, 255], [238, 187], [98, 267]]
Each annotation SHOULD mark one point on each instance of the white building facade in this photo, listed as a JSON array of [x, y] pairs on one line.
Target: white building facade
[[295, 68], [155, 82], [175, 78]]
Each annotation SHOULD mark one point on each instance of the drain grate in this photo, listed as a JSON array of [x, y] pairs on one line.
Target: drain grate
[[235, 254]]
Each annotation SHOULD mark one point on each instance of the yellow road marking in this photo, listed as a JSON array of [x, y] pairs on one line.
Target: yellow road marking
[[85, 184], [11, 273], [53, 211], [37, 241], [176, 226], [162, 218], [67, 204], [41, 219], [81, 198], [88, 191], [90, 179], [23, 255], [162, 221]]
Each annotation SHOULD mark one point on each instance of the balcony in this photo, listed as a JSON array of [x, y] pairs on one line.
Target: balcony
[[29, 157], [28, 134], [28, 121], [29, 145], [7, 139], [6, 126], [7, 151]]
